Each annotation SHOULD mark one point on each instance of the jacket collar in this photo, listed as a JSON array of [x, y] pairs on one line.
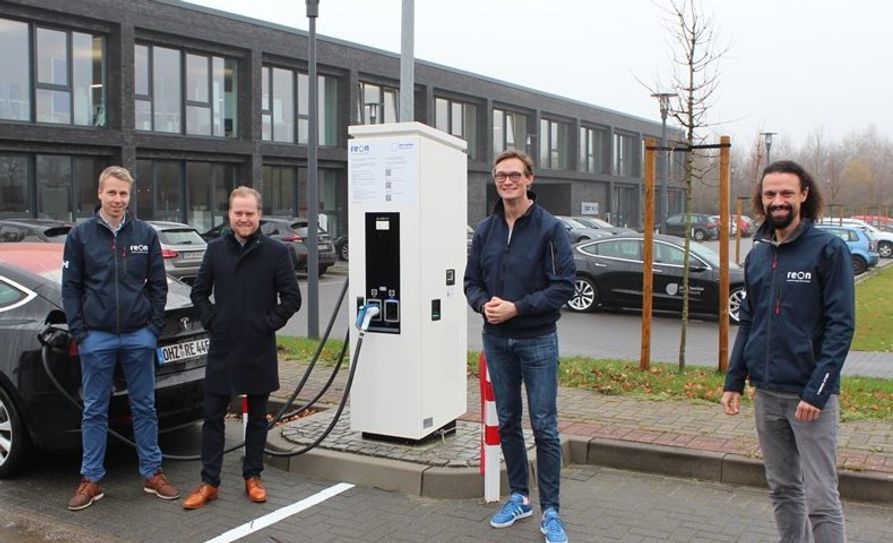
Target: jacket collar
[[766, 233], [499, 208]]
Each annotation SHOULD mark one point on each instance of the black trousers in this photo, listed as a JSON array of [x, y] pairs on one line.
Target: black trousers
[[213, 436]]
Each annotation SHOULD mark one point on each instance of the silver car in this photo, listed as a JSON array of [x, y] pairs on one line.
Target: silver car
[[182, 248]]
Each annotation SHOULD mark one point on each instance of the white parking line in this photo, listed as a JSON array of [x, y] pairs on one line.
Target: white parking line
[[280, 514]]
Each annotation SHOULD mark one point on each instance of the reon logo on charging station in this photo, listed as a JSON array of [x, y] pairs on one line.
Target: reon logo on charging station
[[799, 277], [359, 148]]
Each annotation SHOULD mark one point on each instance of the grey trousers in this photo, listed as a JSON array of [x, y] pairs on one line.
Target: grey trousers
[[801, 469]]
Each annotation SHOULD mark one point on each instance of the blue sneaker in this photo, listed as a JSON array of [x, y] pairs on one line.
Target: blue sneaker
[[552, 527], [514, 509]]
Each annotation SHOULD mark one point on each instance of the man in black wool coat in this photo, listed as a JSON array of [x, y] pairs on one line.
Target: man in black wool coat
[[255, 293]]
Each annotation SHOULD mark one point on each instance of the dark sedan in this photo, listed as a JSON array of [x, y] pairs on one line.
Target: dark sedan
[[32, 411], [39, 230], [609, 275]]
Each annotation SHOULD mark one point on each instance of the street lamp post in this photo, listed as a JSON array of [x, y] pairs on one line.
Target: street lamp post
[[663, 99], [767, 138], [312, 181]]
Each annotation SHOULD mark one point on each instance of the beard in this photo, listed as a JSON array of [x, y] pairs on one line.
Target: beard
[[780, 222]]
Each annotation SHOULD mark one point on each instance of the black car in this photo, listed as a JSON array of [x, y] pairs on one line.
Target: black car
[[32, 411], [609, 275], [702, 226], [291, 231], [39, 230]]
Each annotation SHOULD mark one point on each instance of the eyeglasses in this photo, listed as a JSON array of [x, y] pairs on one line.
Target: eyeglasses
[[502, 176]]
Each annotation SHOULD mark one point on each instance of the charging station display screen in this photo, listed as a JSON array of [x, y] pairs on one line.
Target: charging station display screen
[[383, 270]]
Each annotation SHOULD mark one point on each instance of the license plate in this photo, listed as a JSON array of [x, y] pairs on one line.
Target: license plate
[[191, 257], [182, 351]]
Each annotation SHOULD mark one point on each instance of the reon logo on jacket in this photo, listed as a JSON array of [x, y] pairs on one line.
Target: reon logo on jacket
[[139, 249], [799, 277]]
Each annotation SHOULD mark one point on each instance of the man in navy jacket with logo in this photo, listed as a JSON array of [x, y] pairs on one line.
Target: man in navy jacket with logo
[[520, 272], [796, 326], [114, 290]]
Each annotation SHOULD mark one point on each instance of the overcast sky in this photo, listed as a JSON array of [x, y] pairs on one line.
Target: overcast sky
[[793, 66]]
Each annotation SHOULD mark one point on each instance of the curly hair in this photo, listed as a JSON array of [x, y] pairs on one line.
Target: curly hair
[[814, 204]]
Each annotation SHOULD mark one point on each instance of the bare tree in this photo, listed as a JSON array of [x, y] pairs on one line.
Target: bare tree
[[696, 53]]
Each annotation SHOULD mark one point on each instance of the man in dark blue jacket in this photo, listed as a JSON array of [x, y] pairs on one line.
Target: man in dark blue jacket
[[796, 326], [114, 289], [520, 272], [255, 293]]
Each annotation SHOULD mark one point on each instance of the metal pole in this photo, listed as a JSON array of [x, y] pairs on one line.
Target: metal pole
[[663, 204], [312, 182], [407, 72]]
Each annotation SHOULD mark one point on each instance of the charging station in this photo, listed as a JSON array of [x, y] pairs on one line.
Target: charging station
[[407, 216]]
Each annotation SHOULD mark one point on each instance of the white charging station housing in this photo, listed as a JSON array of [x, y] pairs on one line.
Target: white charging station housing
[[407, 217]]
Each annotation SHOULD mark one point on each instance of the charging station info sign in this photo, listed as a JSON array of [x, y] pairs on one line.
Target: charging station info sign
[[383, 172]]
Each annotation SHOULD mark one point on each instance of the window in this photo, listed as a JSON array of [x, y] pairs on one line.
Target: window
[[377, 104], [200, 199], [15, 193], [69, 74], [63, 188], [668, 254], [207, 96], [509, 130], [626, 161], [593, 149], [280, 190], [553, 144], [15, 91], [13, 295], [459, 119], [623, 249], [285, 113]]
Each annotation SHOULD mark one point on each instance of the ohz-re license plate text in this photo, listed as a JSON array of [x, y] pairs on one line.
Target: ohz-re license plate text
[[182, 351]]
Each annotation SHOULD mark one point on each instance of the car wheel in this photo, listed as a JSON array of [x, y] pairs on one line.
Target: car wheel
[[344, 252], [885, 249], [859, 265], [585, 298], [14, 440], [736, 296], [698, 234]]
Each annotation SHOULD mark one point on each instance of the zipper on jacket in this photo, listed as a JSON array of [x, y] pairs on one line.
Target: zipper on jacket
[[117, 304], [771, 310]]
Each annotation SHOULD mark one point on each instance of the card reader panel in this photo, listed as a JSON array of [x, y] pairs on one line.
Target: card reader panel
[[383, 269]]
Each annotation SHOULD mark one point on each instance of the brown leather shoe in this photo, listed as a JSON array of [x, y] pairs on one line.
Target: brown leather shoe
[[88, 492], [255, 490], [200, 496], [161, 487]]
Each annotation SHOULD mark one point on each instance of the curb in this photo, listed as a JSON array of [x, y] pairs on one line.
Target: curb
[[467, 482]]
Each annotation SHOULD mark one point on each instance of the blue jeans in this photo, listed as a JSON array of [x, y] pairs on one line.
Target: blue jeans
[[533, 362], [99, 353]]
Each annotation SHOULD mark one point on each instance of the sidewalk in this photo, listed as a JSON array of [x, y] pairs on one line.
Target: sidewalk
[[673, 438]]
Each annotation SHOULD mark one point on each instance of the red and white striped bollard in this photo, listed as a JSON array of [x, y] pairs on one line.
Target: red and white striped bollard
[[490, 448]]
